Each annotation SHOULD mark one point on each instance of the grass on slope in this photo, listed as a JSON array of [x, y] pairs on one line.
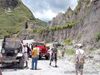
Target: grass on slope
[[12, 22]]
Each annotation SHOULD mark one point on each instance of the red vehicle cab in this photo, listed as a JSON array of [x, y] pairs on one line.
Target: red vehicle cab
[[43, 50]]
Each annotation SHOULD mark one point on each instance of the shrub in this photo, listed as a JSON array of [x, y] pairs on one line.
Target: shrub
[[54, 28], [70, 51], [97, 37], [68, 42]]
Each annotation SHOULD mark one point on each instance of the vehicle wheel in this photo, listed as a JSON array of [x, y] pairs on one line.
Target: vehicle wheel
[[21, 63], [47, 57], [40, 57]]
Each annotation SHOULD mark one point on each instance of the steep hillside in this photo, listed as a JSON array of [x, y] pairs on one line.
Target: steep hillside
[[86, 28], [13, 17]]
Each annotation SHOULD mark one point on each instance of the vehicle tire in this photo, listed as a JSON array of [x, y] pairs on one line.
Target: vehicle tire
[[47, 57], [40, 57], [21, 63]]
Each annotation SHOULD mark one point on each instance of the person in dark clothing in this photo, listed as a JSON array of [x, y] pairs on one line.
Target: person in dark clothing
[[53, 55], [28, 50]]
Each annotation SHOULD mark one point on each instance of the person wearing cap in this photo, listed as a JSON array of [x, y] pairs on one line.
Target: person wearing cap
[[79, 59], [79, 49]]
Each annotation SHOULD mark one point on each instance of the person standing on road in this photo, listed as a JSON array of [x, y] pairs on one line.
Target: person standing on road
[[35, 56], [0, 61], [79, 59], [63, 51], [53, 55], [28, 50], [25, 53]]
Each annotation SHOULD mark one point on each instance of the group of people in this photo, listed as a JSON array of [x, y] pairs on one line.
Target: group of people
[[79, 57], [33, 52]]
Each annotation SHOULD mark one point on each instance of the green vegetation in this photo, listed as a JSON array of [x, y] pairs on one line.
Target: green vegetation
[[70, 51], [55, 28], [12, 22], [98, 37], [92, 49], [39, 23], [68, 42]]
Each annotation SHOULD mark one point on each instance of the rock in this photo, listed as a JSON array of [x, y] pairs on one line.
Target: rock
[[8, 3]]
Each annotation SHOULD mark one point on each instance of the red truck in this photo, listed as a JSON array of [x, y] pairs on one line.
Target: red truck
[[43, 50]]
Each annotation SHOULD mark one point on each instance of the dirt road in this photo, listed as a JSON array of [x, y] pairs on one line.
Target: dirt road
[[65, 67]]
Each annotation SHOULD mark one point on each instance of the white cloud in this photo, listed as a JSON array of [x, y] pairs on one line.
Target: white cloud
[[73, 4], [45, 15], [47, 9]]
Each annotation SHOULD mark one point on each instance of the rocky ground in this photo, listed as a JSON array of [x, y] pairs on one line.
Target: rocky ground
[[65, 67]]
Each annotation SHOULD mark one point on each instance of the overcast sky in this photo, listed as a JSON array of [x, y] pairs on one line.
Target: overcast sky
[[47, 9]]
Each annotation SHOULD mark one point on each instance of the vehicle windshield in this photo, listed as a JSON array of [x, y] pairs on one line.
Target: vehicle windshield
[[12, 44]]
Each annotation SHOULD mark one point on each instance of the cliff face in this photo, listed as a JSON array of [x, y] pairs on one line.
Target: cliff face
[[61, 18], [87, 29]]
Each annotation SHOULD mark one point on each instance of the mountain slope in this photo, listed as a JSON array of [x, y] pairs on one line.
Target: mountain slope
[[13, 15]]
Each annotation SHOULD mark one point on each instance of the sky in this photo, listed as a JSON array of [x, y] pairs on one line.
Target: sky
[[47, 9]]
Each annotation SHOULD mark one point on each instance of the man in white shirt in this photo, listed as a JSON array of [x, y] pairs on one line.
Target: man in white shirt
[[24, 50], [79, 59], [79, 51]]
